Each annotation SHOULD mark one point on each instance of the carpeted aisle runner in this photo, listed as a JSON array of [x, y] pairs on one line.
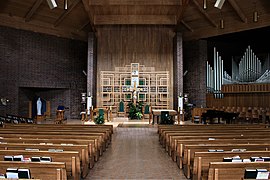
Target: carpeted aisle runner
[[135, 153]]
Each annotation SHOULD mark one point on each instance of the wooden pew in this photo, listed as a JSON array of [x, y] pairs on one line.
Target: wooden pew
[[92, 154], [193, 127], [104, 137], [172, 147], [70, 158], [165, 135], [171, 137], [182, 143], [63, 126], [81, 149], [96, 139], [231, 170], [39, 170], [202, 160], [189, 151]]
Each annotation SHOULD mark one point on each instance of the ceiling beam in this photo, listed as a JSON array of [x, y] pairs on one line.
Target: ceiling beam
[[33, 9], [134, 2], [65, 13], [83, 26], [134, 19], [89, 11], [187, 26], [40, 27], [232, 27], [181, 11], [195, 2], [238, 10]]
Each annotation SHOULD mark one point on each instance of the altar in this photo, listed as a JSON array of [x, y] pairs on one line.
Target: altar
[[155, 113]]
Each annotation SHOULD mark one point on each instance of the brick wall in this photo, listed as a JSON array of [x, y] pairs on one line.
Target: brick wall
[[195, 56], [34, 64], [177, 68]]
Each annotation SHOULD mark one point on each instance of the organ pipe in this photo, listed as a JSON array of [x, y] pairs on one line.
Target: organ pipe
[[249, 69]]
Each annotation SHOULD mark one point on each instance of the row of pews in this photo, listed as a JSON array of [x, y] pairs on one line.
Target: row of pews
[[14, 119], [200, 150], [73, 149]]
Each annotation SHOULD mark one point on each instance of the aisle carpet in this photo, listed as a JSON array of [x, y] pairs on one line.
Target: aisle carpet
[[135, 125]]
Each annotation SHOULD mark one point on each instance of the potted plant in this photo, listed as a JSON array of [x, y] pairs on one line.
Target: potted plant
[[135, 110], [99, 119]]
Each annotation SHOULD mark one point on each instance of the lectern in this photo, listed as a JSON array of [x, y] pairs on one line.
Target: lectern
[[59, 116]]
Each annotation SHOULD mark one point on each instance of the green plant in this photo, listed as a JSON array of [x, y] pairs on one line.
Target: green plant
[[139, 115], [99, 119], [135, 110]]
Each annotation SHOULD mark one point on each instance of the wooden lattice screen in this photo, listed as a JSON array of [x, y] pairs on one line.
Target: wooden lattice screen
[[152, 86]]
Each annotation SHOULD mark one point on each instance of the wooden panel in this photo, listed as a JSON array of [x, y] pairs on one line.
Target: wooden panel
[[135, 2], [41, 27], [245, 88], [134, 19], [151, 46], [135, 10], [151, 86], [240, 99]]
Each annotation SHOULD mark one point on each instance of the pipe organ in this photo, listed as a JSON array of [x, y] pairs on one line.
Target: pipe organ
[[248, 70], [250, 67], [215, 75]]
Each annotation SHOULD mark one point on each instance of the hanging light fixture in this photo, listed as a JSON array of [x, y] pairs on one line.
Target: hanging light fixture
[[219, 4], [221, 22], [52, 4], [204, 4], [66, 5], [255, 13]]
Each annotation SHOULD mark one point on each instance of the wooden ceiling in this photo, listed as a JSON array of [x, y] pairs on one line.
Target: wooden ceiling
[[82, 16]]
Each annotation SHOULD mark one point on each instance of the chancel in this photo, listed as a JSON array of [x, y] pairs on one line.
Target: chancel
[[109, 89]]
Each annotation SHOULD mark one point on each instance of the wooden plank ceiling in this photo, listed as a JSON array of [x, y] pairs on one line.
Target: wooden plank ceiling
[[187, 16]]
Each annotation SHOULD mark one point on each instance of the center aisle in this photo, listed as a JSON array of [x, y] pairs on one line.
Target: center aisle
[[135, 153]]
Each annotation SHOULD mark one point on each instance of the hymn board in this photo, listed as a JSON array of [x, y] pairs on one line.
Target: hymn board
[[137, 82]]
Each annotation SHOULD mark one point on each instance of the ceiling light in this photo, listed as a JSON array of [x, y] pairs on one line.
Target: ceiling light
[[204, 4], [66, 5], [219, 4], [255, 16], [52, 3]]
